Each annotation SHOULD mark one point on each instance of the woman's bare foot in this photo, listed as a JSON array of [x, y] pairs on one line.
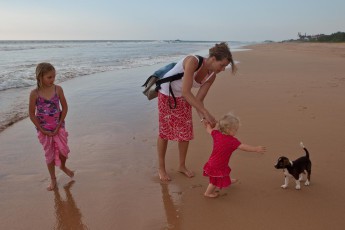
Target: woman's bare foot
[[186, 172], [163, 176], [52, 185], [211, 195]]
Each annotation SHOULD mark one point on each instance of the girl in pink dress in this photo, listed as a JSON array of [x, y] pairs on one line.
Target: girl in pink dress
[[49, 119], [224, 144]]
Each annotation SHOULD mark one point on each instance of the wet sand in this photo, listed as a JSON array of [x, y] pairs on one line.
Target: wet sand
[[283, 94]]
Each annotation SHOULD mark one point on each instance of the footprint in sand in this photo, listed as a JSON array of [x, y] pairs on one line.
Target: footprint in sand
[[178, 193], [301, 108], [333, 84], [196, 186]]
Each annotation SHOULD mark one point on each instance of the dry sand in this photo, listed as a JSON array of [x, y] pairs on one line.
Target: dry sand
[[283, 93]]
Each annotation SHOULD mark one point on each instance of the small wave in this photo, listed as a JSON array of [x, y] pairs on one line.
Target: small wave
[[10, 119], [33, 45], [23, 75], [18, 112], [23, 48]]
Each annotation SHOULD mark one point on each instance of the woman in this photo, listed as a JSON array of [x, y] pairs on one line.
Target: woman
[[175, 123]]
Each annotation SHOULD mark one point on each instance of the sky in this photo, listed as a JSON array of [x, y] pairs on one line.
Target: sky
[[201, 20]]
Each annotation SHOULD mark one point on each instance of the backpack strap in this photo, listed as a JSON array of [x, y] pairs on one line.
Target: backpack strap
[[200, 61], [174, 78], [177, 76]]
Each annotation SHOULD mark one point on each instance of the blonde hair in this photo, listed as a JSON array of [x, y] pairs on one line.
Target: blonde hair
[[41, 69], [229, 122], [222, 51]]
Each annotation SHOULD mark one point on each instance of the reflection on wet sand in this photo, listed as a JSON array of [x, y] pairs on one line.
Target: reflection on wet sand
[[171, 211], [68, 215]]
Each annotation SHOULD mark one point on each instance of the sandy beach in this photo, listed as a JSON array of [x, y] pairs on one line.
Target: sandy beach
[[283, 93]]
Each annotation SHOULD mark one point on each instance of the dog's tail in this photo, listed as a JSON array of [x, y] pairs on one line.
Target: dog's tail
[[305, 149]]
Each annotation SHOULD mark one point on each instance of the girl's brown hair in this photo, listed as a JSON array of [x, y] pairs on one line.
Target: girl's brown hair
[[41, 69], [222, 51]]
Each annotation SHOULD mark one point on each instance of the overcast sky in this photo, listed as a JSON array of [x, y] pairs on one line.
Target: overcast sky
[[212, 20]]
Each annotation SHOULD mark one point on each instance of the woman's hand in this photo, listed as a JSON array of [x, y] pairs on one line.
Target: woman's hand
[[210, 119]]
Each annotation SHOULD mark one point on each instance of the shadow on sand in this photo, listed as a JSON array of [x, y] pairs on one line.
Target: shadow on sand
[[68, 215]]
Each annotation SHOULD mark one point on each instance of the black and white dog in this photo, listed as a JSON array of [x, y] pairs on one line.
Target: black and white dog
[[295, 168]]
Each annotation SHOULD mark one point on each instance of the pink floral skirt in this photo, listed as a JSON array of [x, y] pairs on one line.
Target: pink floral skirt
[[175, 124], [54, 146]]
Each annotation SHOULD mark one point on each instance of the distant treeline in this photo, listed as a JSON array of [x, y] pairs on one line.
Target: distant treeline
[[336, 37]]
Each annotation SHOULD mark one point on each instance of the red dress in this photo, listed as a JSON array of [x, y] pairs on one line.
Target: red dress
[[217, 167]]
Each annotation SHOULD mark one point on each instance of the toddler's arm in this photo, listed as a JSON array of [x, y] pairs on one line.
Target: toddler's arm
[[208, 127], [249, 148]]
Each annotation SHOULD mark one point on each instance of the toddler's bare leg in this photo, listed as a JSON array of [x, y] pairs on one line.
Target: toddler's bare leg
[[210, 191]]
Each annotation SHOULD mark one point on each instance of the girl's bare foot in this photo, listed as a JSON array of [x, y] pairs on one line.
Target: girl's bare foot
[[211, 195], [71, 174], [52, 185], [186, 172], [163, 176], [234, 181], [68, 172]]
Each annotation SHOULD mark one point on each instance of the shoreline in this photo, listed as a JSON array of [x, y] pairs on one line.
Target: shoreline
[[14, 100], [18, 111]]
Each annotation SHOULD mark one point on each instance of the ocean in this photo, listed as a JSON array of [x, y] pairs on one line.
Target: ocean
[[71, 59]]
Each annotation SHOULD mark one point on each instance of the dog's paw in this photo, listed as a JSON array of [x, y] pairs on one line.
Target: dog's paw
[[298, 187], [284, 186], [307, 183]]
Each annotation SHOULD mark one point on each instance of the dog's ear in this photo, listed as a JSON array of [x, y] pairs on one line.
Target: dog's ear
[[286, 161]]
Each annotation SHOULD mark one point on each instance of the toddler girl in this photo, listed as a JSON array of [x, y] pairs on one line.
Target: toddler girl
[[49, 119], [224, 144]]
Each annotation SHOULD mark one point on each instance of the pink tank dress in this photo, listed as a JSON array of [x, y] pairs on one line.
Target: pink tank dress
[[48, 114]]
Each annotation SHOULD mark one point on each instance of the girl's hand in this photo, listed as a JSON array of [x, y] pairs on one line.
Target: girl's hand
[[260, 149], [56, 130], [47, 133], [207, 126]]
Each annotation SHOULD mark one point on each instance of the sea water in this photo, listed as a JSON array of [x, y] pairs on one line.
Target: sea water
[[18, 60]]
